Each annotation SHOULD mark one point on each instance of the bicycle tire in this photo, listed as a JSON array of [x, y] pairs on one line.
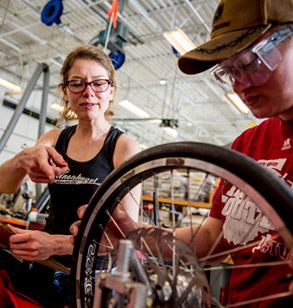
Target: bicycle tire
[[272, 195]]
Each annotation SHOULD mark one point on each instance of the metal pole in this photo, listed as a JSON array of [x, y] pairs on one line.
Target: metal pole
[[19, 109], [43, 114]]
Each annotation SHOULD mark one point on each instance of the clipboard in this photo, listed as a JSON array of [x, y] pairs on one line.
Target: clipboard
[[6, 232]]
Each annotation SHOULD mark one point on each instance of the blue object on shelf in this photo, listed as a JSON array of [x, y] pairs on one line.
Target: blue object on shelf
[[117, 59], [52, 12]]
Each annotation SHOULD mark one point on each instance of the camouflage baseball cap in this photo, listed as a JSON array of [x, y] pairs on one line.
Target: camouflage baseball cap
[[236, 25]]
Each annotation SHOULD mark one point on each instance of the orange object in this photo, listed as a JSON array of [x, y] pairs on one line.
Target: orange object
[[13, 221], [113, 12]]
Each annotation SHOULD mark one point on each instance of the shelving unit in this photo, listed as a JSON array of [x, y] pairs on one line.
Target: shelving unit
[[175, 188], [178, 202], [178, 189]]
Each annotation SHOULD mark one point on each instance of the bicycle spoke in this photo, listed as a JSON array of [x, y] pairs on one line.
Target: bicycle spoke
[[275, 263]]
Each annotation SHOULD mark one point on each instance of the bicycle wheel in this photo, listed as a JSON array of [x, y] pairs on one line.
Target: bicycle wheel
[[175, 283]]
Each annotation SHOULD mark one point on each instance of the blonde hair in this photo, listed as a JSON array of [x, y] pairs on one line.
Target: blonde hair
[[92, 53]]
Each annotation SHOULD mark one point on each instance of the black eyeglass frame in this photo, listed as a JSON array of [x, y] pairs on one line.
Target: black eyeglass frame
[[85, 84]]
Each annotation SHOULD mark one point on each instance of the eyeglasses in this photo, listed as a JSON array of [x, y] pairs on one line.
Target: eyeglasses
[[98, 86], [254, 64]]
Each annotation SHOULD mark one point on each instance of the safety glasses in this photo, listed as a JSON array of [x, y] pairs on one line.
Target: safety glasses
[[255, 64]]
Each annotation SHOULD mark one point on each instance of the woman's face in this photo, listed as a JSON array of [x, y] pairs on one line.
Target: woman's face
[[88, 105], [275, 96]]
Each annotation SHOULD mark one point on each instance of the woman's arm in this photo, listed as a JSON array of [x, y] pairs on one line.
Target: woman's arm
[[35, 245], [41, 163]]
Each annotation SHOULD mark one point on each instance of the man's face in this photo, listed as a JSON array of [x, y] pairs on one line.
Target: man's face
[[261, 74]]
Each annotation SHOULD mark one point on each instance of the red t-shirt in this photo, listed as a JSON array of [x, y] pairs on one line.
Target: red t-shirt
[[271, 144]]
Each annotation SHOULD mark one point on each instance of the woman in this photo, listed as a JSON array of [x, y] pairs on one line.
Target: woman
[[74, 161]]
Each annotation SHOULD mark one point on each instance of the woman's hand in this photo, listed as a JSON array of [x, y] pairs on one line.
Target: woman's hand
[[33, 245], [42, 163]]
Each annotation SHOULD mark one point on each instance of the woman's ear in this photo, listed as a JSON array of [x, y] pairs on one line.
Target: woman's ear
[[112, 93], [65, 96]]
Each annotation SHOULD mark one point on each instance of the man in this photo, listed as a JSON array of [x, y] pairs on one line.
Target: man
[[251, 47], [251, 44]]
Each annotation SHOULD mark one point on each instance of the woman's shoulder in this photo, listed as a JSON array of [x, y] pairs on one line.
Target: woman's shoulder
[[125, 148], [125, 141], [50, 137]]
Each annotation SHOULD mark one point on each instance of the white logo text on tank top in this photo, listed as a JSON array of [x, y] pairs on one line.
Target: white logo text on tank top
[[75, 179]]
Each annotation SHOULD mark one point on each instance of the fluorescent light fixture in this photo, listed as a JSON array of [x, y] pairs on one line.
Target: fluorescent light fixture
[[171, 131], [163, 82], [134, 109], [237, 102], [179, 40], [11, 86]]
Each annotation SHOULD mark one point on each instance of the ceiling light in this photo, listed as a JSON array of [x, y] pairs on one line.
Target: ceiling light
[[163, 82], [237, 102], [134, 109], [179, 40], [11, 86]]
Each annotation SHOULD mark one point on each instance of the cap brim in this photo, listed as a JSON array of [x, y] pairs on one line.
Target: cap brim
[[221, 47]]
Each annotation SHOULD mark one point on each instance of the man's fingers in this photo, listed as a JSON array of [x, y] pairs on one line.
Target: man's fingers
[[74, 228], [81, 210]]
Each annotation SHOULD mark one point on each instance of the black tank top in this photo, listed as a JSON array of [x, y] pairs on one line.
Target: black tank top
[[75, 188]]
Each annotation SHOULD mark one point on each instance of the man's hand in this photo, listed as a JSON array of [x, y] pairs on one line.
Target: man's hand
[[119, 225], [74, 228]]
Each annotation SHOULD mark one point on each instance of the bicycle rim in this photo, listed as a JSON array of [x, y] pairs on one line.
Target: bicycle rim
[[186, 159]]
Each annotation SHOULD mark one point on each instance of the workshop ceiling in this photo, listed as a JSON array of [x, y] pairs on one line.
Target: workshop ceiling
[[196, 103]]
